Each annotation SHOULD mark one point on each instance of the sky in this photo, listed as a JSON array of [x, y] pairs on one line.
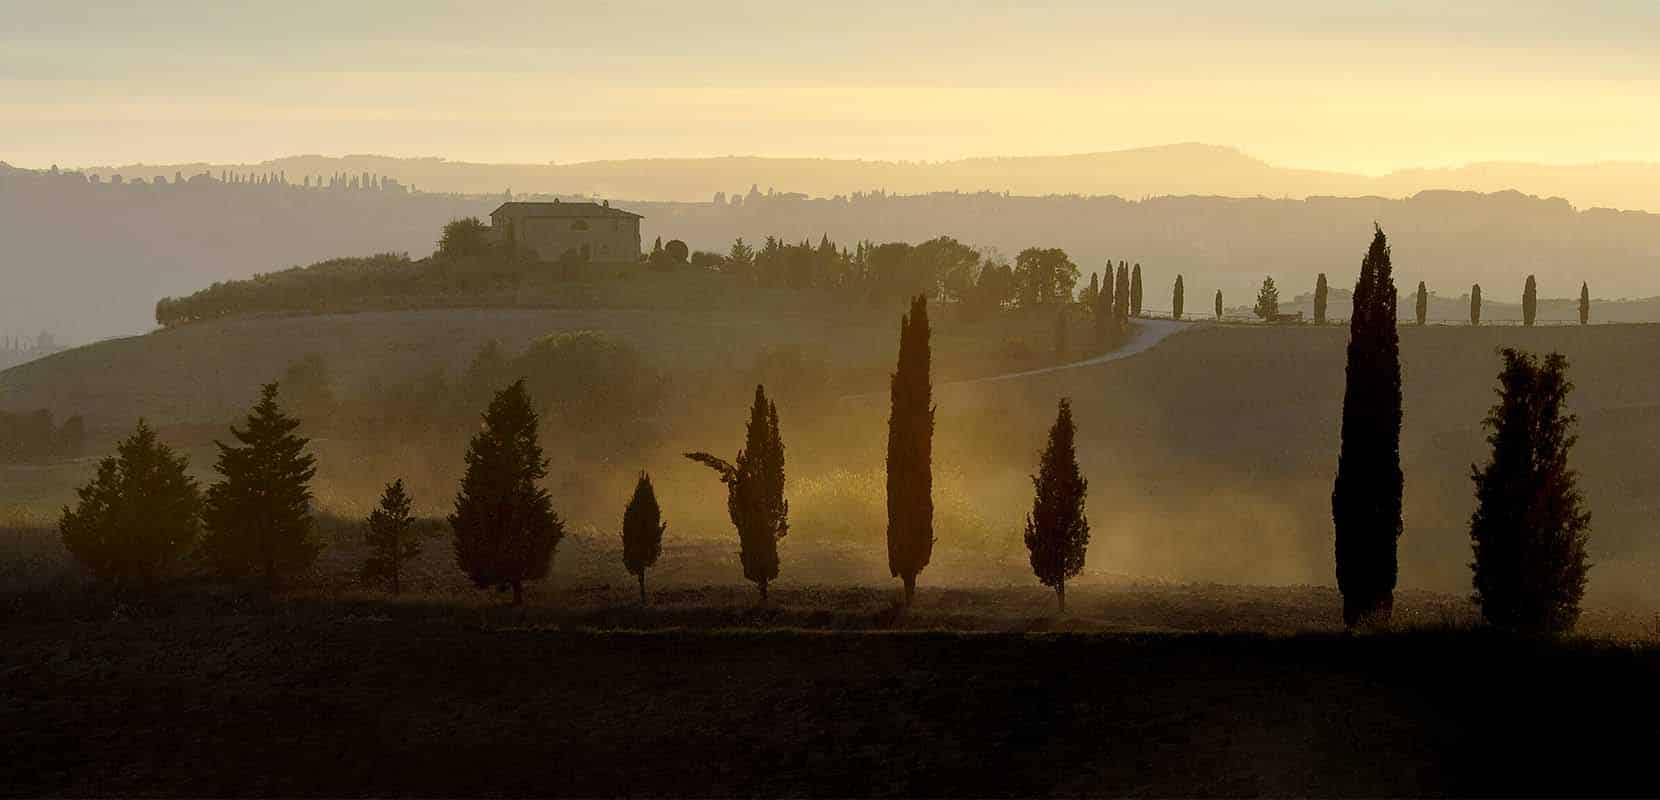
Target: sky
[[1360, 86]]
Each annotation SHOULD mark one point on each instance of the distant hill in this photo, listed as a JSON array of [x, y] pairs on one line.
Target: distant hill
[[1178, 169]]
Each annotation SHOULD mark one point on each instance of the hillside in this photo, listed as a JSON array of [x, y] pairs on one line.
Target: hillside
[[1210, 456]]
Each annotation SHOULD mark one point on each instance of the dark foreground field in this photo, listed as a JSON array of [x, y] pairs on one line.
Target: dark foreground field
[[250, 696]]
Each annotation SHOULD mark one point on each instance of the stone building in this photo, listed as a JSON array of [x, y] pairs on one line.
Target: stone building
[[592, 232]]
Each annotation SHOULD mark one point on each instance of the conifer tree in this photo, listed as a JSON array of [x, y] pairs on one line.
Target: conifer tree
[[504, 525], [1102, 318], [1475, 304], [911, 452], [1530, 301], [1218, 303], [1366, 497], [1086, 298], [1105, 300], [1268, 300], [1176, 299], [139, 516], [1057, 531], [1135, 291], [1584, 303], [389, 533], [642, 532], [1121, 293], [1320, 293], [1423, 303], [259, 515], [1530, 526], [755, 492]]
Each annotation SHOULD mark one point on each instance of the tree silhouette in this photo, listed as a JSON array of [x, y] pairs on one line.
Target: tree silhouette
[[1103, 319], [1366, 497], [1530, 301], [911, 452], [1422, 306], [259, 515], [1121, 293], [1057, 532], [504, 525], [1135, 291], [1584, 303], [1268, 301], [389, 533], [1044, 276], [1176, 299], [464, 238], [1218, 303], [1320, 295], [139, 516], [1091, 291], [1530, 526], [755, 492], [642, 532], [1475, 304]]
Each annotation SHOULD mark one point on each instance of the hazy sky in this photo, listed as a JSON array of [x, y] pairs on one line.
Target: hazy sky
[[1353, 86]]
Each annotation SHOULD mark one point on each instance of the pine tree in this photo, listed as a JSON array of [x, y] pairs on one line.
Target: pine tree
[[1218, 303], [504, 525], [1530, 301], [1176, 299], [1475, 304], [259, 515], [1268, 301], [642, 532], [1423, 303], [1366, 497], [1530, 527], [755, 492], [1135, 291], [1320, 293], [1057, 531], [389, 533], [911, 452], [139, 516], [1584, 303]]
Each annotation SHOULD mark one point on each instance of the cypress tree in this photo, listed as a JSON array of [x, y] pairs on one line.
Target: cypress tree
[[1105, 323], [642, 532], [139, 516], [259, 515], [1135, 291], [755, 492], [911, 451], [1320, 292], [1105, 300], [1584, 303], [1086, 298], [1423, 303], [1121, 293], [1366, 498], [1057, 532], [505, 528], [1530, 301], [1475, 304], [391, 539], [1530, 526], [1176, 299], [1218, 303]]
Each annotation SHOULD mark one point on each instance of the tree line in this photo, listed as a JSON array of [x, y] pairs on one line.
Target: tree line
[[1267, 304]]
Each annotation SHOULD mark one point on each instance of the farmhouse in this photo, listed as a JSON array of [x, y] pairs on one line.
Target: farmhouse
[[586, 231]]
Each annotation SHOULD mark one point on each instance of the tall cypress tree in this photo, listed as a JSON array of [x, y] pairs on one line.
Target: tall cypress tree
[[1176, 299], [1366, 498], [1422, 304], [139, 517], [1121, 293], [1105, 300], [911, 452], [1218, 303], [259, 515], [1530, 301], [1320, 293], [1584, 303], [1135, 291], [1475, 304], [755, 492], [1102, 317], [1530, 526], [1086, 298], [389, 534], [642, 532], [504, 524], [1057, 531]]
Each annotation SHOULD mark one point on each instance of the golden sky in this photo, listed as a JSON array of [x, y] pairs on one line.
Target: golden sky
[[1367, 87]]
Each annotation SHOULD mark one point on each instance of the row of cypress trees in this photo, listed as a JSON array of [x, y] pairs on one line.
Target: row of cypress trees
[[1530, 302], [1530, 527]]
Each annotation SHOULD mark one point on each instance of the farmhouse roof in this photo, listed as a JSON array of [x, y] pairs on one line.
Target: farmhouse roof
[[562, 209]]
